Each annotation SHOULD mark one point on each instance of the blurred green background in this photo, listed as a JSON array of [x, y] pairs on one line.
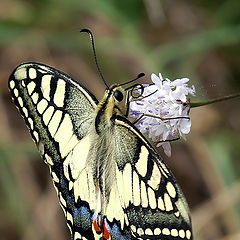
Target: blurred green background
[[195, 39]]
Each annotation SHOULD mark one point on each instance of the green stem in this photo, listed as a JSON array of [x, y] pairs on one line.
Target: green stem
[[199, 104]]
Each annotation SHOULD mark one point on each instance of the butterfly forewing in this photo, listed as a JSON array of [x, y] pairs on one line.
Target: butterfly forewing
[[57, 109], [58, 112], [110, 181]]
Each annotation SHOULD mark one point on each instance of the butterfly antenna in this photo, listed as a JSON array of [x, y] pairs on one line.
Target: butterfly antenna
[[140, 75], [94, 54]]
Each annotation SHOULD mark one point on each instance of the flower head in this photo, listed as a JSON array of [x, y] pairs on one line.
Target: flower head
[[163, 110]]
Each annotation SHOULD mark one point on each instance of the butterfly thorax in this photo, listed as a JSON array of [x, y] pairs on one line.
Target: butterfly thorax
[[112, 104]]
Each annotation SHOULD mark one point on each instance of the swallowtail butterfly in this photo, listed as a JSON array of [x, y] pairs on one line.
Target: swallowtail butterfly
[[110, 181]]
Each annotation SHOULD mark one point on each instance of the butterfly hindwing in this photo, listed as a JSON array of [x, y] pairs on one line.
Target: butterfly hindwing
[[153, 206]]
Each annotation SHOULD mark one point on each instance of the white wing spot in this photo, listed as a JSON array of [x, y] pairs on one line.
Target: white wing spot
[[35, 97], [127, 179], [45, 86], [62, 200], [70, 185], [49, 160], [77, 235], [35, 134], [148, 231], [136, 190], [177, 214], [157, 231], [161, 204], [30, 122], [60, 93], [54, 177], [48, 115], [174, 232], [12, 84], [181, 233], [133, 228], [168, 202], [140, 231], [32, 73], [15, 92], [141, 164], [25, 112], [69, 217], [165, 231], [20, 73], [188, 234], [20, 101], [144, 197], [151, 198], [171, 190], [30, 87], [42, 105]]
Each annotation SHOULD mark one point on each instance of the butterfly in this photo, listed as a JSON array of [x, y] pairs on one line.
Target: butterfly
[[110, 181]]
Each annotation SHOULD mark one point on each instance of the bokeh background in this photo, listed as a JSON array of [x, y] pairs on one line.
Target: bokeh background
[[196, 39]]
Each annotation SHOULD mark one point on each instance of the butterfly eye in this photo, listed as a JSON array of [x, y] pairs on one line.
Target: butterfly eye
[[118, 95]]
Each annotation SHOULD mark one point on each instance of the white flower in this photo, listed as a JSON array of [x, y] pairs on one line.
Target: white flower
[[164, 108]]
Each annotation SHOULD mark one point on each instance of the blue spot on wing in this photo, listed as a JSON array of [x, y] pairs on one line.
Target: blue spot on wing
[[82, 218], [115, 231], [69, 201], [85, 212], [76, 212], [122, 238]]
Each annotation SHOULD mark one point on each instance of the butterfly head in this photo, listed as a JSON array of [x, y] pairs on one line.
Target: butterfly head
[[114, 103], [116, 99]]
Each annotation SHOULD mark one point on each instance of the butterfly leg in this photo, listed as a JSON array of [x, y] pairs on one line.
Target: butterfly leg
[[154, 116]]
